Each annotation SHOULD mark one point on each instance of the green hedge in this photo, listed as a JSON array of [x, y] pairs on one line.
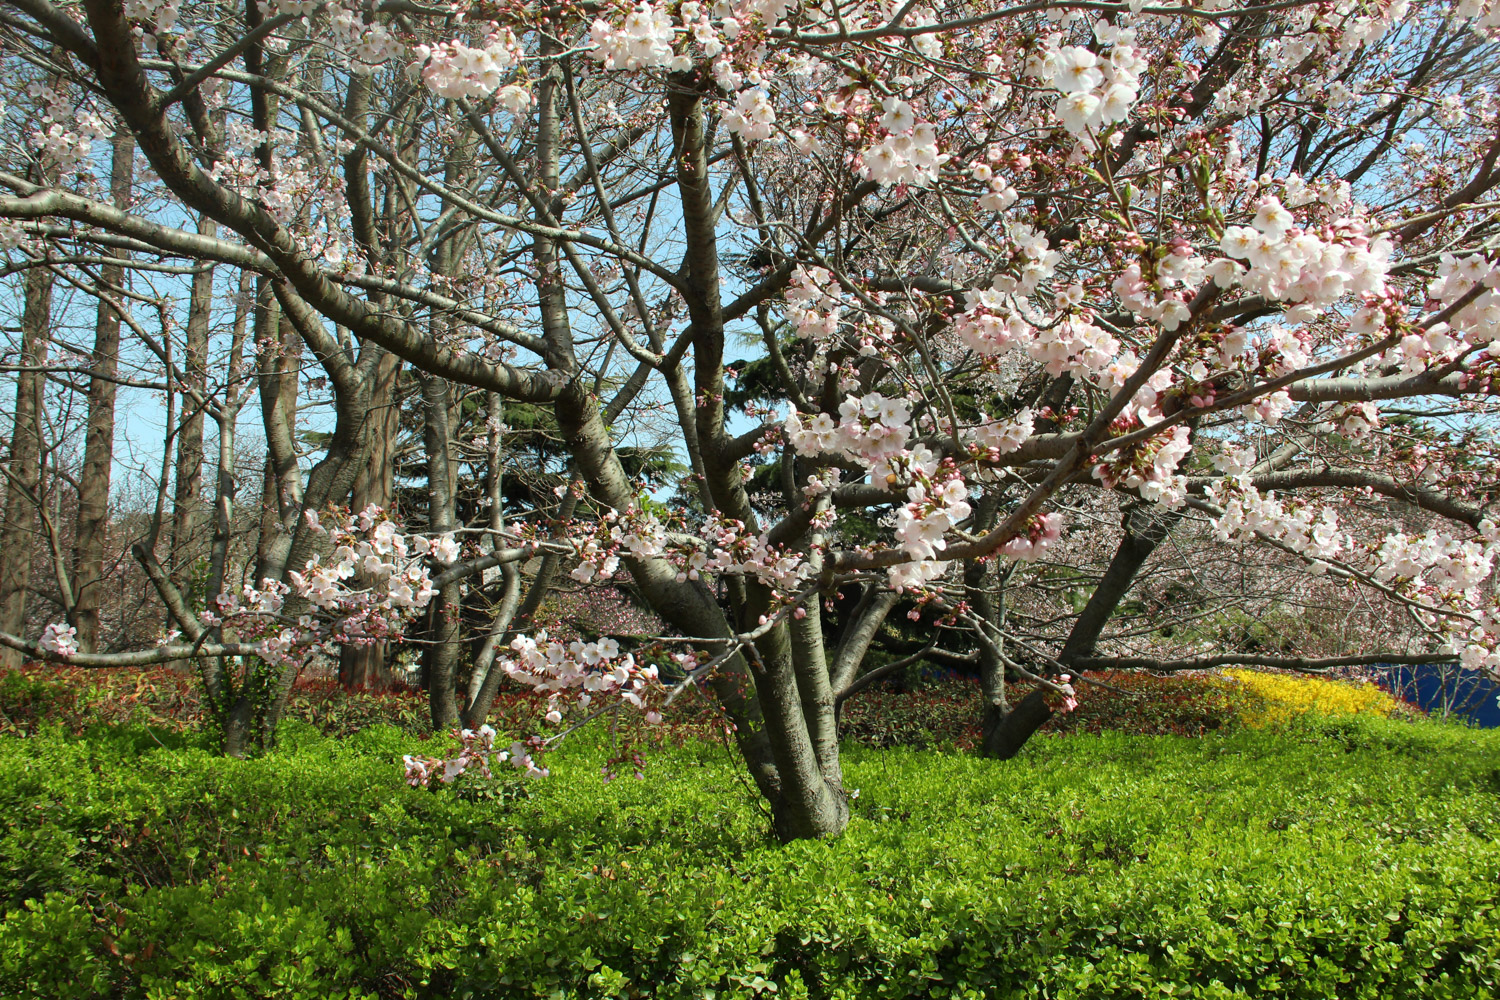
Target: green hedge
[[1348, 860]]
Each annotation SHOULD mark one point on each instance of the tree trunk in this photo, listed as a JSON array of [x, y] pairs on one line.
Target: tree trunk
[[92, 531], [1005, 732], [279, 353], [364, 666], [215, 673], [442, 655], [188, 515], [481, 694], [1145, 529], [18, 533]]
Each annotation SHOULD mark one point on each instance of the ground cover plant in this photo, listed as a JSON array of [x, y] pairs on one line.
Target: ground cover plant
[[757, 343], [1349, 857]]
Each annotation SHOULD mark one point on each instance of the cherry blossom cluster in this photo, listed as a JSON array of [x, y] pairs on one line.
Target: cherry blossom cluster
[[933, 509], [994, 325], [1484, 13], [720, 545], [1448, 574], [1444, 573], [1151, 468], [374, 547], [1096, 90], [1160, 292], [871, 429], [1035, 538], [1293, 264], [61, 640], [592, 670], [456, 70], [375, 580], [642, 41], [364, 44], [476, 752], [753, 114], [1444, 561], [152, 18], [992, 439], [908, 154], [638, 532], [814, 305], [1478, 322], [65, 137], [1312, 531], [1354, 420], [728, 547]]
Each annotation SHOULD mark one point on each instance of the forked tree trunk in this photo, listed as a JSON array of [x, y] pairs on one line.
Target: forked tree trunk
[[18, 533], [1006, 731]]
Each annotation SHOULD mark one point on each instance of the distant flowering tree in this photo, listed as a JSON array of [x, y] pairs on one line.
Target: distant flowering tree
[[1017, 273]]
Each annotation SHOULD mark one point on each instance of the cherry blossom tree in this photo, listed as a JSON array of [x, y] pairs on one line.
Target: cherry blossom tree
[[1011, 276]]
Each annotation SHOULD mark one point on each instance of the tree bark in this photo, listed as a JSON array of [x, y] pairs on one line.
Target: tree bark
[[1006, 732], [91, 534], [364, 666], [18, 533], [1145, 529], [444, 612], [188, 514], [278, 353]]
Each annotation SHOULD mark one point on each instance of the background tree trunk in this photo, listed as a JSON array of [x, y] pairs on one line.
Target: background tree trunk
[[188, 514], [89, 540], [364, 666], [441, 657], [18, 533]]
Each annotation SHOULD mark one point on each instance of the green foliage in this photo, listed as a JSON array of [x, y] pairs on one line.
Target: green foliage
[[1355, 858]]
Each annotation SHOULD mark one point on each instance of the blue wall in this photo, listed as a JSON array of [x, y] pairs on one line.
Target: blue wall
[[1469, 689]]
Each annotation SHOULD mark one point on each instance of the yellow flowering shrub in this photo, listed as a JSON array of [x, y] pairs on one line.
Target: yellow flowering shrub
[[1278, 698]]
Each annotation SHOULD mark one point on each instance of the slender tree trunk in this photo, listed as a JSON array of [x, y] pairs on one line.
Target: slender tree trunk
[[442, 654], [511, 613], [1005, 727], [215, 673], [188, 514], [18, 533], [509, 573], [91, 535], [279, 351]]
